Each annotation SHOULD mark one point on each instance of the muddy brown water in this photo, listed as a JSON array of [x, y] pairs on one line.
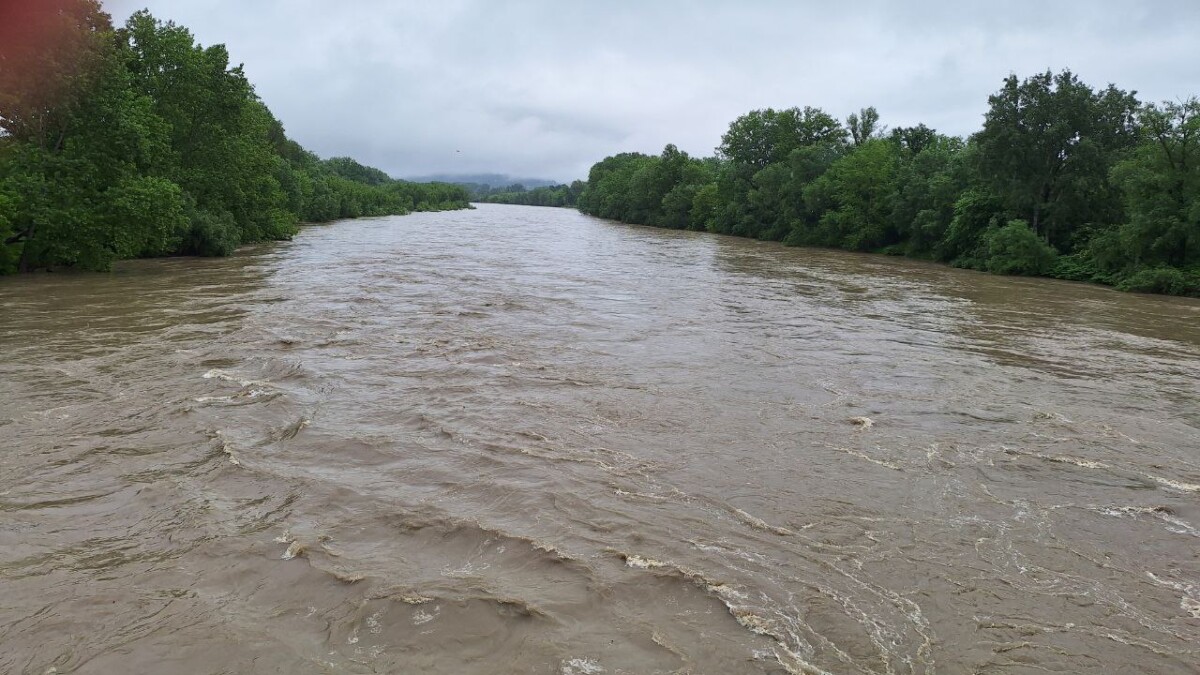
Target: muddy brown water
[[521, 440]]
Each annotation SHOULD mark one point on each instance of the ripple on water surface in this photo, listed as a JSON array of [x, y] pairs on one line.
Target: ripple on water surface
[[523, 440]]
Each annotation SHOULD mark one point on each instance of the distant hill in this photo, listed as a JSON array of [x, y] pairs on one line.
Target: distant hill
[[489, 179]]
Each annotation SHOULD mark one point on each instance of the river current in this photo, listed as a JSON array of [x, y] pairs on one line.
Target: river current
[[522, 440]]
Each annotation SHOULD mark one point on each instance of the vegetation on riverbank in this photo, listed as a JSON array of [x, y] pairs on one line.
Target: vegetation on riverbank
[[136, 141], [1063, 180], [546, 195]]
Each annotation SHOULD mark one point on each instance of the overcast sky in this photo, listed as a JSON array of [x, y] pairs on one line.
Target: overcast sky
[[546, 88]]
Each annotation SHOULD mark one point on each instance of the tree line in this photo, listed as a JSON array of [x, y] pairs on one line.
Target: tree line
[[136, 141], [549, 195], [1063, 180]]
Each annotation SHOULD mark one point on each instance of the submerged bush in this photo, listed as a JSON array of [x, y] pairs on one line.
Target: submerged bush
[[1016, 249], [1166, 280], [210, 234]]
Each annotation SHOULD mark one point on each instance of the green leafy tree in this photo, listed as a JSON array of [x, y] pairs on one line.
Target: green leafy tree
[[549, 195], [351, 170], [75, 194], [770, 204], [1161, 184], [1016, 249], [975, 212], [51, 52], [1046, 149], [855, 199], [1063, 180], [10, 254], [912, 140], [755, 142], [763, 137], [705, 205], [864, 125], [137, 142], [1157, 249], [929, 180], [610, 188]]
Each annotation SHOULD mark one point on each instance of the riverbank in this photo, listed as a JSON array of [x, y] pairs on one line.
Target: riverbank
[[1065, 272], [1097, 196], [138, 142]]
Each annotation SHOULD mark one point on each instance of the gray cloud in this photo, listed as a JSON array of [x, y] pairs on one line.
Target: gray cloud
[[546, 88]]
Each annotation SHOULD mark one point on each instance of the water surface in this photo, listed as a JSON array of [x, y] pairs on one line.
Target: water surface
[[523, 440]]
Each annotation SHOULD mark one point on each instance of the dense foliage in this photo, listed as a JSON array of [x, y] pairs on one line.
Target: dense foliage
[[547, 195], [136, 141], [1063, 180]]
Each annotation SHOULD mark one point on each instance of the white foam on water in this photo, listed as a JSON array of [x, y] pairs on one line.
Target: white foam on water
[[641, 563], [728, 593], [1053, 416], [1191, 606], [1174, 524], [581, 667], [760, 524], [1174, 484], [758, 624], [1113, 433], [294, 549], [1059, 459], [796, 665], [1125, 511], [862, 455], [1179, 526], [931, 451], [863, 423], [1085, 463], [225, 376], [726, 550], [229, 453], [251, 393], [1189, 602], [469, 569], [641, 495]]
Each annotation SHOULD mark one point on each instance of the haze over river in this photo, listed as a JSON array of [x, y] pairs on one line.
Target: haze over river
[[522, 440]]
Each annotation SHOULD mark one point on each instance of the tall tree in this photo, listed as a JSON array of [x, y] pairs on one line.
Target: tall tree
[[51, 52], [855, 198], [912, 140], [1046, 149], [610, 191], [864, 125], [929, 180], [763, 137], [1161, 184], [221, 134]]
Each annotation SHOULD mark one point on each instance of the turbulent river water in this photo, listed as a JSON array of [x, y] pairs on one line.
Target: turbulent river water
[[522, 440]]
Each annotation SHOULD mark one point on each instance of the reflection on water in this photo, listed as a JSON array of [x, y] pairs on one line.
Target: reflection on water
[[523, 440]]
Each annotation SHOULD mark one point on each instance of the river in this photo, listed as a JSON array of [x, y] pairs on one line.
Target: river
[[522, 440]]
